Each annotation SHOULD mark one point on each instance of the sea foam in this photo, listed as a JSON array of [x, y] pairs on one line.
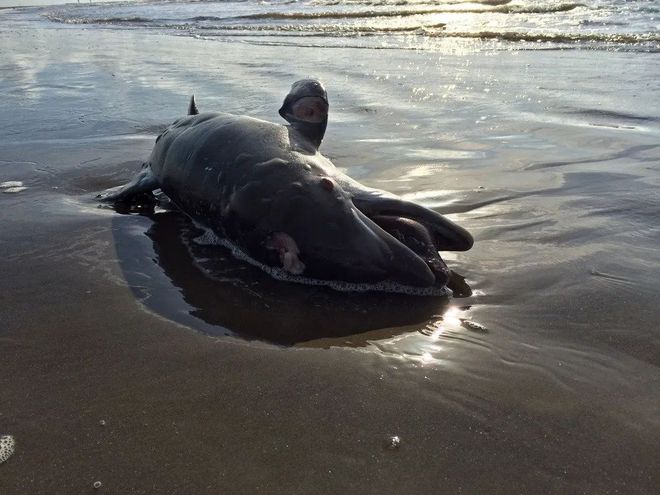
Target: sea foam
[[209, 238]]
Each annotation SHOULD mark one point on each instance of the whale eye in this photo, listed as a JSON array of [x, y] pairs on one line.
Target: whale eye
[[327, 183]]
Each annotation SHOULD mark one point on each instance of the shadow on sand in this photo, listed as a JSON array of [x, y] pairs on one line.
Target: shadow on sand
[[203, 286]]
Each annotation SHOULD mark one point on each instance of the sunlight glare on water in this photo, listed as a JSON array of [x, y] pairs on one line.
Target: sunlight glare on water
[[449, 321]]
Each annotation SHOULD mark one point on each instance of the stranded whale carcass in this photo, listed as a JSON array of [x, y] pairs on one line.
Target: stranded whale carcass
[[266, 188]]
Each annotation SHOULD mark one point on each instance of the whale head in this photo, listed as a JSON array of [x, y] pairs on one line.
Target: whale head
[[313, 227]]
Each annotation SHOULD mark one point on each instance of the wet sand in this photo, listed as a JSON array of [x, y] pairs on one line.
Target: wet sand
[[545, 380], [187, 413]]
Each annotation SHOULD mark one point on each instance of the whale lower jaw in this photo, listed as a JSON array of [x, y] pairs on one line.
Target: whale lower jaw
[[415, 238]]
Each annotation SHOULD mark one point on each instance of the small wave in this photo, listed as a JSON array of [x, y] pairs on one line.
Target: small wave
[[553, 37], [500, 9], [519, 9], [201, 18], [99, 20], [327, 29]]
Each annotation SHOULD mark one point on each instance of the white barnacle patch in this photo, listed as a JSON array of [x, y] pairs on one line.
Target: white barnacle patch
[[288, 251], [7, 444]]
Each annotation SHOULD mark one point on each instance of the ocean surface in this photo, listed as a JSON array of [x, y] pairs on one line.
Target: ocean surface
[[397, 24], [137, 354]]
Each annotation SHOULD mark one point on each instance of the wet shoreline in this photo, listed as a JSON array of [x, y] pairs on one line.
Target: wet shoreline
[[550, 387]]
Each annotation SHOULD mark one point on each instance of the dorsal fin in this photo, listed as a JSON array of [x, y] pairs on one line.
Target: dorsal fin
[[192, 108]]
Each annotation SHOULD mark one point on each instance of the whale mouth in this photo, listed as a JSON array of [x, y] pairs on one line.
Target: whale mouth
[[417, 238], [413, 233], [383, 247]]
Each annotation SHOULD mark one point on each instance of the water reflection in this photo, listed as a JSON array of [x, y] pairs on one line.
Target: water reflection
[[203, 286]]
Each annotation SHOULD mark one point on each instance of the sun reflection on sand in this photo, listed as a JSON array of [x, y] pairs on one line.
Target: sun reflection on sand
[[449, 321], [429, 352]]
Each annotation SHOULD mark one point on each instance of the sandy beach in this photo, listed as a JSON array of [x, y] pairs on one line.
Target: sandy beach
[[137, 357]]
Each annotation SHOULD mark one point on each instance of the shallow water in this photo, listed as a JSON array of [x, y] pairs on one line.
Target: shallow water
[[545, 379]]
